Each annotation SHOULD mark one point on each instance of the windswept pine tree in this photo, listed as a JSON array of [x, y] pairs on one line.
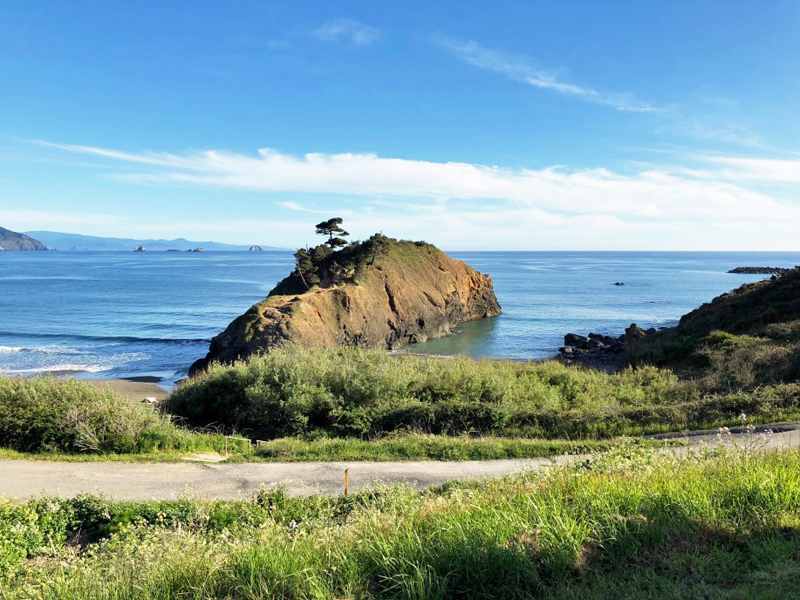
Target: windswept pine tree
[[333, 229]]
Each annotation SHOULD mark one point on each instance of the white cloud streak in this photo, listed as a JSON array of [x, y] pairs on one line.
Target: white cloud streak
[[655, 208], [520, 69], [338, 30]]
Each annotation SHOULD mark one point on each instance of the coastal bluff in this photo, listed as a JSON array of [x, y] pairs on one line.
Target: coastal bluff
[[10, 240], [381, 293]]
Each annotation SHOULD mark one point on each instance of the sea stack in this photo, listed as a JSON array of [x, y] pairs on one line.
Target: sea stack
[[381, 293]]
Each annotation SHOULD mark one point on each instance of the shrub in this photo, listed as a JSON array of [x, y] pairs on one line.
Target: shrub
[[352, 392], [44, 414]]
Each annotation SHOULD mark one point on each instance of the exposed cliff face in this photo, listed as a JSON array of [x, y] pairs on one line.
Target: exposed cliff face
[[10, 240], [412, 292]]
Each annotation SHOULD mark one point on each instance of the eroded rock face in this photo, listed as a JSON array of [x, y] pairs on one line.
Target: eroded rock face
[[412, 293]]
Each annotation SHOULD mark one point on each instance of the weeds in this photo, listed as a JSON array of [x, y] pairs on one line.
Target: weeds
[[723, 524]]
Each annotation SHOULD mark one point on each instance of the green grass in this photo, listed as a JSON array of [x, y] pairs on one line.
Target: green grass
[[356, 393], [163, 456], [410, 447], [421, 447], [628, 524]]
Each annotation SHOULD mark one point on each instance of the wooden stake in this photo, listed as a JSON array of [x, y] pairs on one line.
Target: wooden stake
[[346, 477]]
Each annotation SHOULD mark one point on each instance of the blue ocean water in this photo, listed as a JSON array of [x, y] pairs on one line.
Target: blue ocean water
[[112, 314]]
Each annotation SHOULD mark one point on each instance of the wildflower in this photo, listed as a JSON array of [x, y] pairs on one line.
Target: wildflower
[[743, 417]]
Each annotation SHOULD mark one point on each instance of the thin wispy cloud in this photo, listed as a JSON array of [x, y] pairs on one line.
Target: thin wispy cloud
[[760, 169], [521, 69], [341, 29], [292, 205]]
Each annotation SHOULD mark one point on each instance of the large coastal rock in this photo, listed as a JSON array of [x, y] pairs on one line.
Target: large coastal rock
[[10, 240], [386, 297]]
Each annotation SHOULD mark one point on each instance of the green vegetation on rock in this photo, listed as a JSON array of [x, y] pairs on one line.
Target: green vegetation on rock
[[741, 341], [326, 266]]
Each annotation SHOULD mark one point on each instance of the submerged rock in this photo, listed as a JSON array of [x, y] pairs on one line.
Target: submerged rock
[[386, 295]]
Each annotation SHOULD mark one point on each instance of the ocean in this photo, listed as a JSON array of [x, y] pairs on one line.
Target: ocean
[[125, 314]]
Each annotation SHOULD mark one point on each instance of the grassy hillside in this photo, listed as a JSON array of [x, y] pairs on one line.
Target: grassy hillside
[[740, 341], [626, 525]]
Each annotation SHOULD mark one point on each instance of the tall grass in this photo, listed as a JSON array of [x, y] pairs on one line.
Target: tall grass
[[627, 524], [351, 392], [44, 414]]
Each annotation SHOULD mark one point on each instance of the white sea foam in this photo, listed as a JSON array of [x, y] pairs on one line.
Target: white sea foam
[[65, 368], [39, 349]]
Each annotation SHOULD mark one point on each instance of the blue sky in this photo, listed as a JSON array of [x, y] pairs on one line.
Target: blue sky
[[474, 125]]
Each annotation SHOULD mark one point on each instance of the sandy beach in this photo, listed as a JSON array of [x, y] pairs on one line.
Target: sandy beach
[[135, 388]]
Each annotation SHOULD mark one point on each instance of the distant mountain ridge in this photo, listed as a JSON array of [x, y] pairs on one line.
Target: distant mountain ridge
[[77, 242], [11, 240]]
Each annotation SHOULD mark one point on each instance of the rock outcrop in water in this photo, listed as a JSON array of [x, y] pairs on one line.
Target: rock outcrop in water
[[10, 240], [381, 293], [759, 270]]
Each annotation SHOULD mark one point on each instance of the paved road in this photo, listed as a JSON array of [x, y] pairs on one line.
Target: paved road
[[145, 481]]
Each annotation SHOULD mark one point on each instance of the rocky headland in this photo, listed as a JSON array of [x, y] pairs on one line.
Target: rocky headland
[[753, 331], [381, 293], [11, 240]]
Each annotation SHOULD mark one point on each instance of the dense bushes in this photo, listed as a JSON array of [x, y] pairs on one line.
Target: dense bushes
[[624, 525], [43, 414], [351, 392]]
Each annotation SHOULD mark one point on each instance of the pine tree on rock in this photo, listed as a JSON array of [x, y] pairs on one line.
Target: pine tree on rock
[[332, 228]]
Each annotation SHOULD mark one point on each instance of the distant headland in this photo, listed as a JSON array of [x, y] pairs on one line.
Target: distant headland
[[76, 242]]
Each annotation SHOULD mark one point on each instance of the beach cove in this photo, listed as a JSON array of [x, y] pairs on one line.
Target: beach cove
[[111, 315]]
